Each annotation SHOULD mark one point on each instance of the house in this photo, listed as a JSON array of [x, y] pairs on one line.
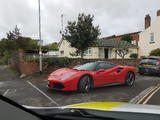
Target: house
[[104, 48], [150, 37], [51, 53]]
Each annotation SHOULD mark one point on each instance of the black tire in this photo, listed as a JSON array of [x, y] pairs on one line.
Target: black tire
[[141, 73], [85, 84], [130, 79]]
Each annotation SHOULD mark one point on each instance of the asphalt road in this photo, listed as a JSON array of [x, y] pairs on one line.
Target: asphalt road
[[32, 91], [155, 98]]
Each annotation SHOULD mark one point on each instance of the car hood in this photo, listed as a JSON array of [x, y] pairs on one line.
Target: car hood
[[60, 73], [115, 110]]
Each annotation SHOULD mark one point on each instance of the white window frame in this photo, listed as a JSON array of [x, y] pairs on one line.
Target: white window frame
[[151, 40], [88, 52], [110, 53]]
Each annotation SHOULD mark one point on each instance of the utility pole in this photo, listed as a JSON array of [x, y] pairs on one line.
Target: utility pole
[[62, 24], [40, 38]]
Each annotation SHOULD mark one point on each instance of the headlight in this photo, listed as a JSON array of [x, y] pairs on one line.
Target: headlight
[[48, 82], [68, 76]]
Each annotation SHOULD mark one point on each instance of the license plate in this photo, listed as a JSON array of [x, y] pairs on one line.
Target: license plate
[[147, 65], [146, 70]]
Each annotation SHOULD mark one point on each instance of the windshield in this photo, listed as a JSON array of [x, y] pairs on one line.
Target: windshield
[[56, 53], [91, 66], [149, 60]]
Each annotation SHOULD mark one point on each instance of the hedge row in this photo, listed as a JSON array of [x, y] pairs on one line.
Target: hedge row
[[55, 61], [52, 61]]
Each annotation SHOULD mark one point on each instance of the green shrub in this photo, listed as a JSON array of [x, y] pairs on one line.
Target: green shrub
[[134, 55], [155, 52], [56, 61], [27, 58], [4, 60]]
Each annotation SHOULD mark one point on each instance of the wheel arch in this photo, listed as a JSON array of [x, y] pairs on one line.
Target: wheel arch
[[132, 72], [92, 80]]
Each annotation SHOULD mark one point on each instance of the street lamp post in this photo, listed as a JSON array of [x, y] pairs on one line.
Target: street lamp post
[[40, 39]]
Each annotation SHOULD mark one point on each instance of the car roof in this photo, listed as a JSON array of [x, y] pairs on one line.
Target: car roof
[[152, 57], [99, 61]]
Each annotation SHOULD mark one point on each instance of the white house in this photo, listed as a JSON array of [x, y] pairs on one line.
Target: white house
[[149, 39], [103, 49]]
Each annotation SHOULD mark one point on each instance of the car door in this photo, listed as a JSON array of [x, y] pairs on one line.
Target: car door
[[104, 73]]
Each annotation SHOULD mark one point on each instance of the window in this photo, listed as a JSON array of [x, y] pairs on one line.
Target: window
[[105, 65], [133, 42], [152, 38], [88, 51], [90, 66], [62, 52]]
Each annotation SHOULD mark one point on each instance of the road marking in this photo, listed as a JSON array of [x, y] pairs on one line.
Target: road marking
[[5, 93], [139, 96], [43, 93], [149, 97], [151, 90]]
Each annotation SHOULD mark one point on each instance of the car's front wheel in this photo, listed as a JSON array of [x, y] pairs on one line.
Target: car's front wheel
[[130, 79], [84, 84]]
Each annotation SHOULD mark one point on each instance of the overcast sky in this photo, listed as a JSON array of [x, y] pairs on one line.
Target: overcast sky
[[113, 16]]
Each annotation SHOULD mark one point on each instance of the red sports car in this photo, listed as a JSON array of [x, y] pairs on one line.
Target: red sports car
[[89, 75]]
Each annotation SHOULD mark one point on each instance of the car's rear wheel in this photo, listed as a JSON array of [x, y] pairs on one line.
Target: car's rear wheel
[[130, 79], [85, 84]]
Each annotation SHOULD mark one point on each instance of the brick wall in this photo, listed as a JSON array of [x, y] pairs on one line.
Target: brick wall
[[29, 68], [135, 37], [21, 66], [125, 62]]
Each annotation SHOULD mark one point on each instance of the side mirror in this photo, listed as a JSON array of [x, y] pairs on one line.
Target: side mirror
[[119, 70], [101, 70]]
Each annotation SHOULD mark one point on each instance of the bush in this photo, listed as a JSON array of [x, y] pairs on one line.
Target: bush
[[28, 59], [155, 52], [56, 61], [134, 55], [5, 60]]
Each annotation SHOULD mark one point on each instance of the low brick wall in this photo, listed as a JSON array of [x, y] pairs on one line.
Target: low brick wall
[[127, 62], [21, 66], [28, 68]]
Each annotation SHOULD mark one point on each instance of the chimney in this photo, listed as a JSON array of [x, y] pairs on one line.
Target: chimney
[[158, 13], [147, 21]]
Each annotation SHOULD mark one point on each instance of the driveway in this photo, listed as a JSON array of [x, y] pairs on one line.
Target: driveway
[[32, 90]]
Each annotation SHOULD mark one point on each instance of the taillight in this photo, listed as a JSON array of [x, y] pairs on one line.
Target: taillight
[[158, 63]]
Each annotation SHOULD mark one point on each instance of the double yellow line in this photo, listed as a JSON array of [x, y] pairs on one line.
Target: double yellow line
[[149, 95]]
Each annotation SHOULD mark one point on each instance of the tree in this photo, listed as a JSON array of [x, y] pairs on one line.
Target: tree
[[155, 52], [13, 42], [127, 38], [123, 46], [53, 46], [81, 34], [13, 38], [122, 52]]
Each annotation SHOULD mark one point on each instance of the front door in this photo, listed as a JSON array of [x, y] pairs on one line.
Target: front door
[[106, 51], [105, 77]]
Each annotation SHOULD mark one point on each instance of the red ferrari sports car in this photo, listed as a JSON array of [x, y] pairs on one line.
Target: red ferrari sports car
[[89, 75]]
